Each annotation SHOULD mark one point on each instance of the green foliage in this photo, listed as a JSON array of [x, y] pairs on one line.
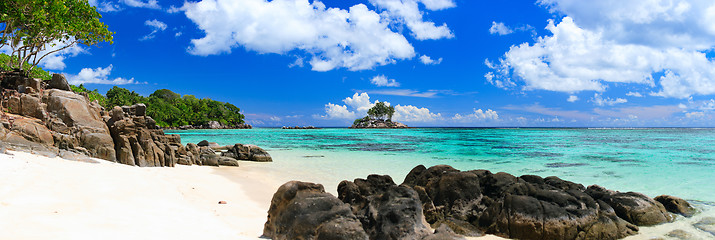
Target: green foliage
[[170, 109], [121, 97], [357, 121], [381, 111], [31, 26], [93, 95], [6, 63]]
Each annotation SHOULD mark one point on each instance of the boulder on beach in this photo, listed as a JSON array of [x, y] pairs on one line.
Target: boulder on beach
[[301, 210], [247, 152], [676, 205]]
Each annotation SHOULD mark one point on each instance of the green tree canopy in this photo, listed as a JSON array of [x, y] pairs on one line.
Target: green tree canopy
[[381, 111], [29, 27]]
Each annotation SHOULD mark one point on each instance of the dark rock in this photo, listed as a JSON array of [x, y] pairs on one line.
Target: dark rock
[[247, 152], [676, 205], [301, 210], [208, 157], [527, 207], [386, 211], [706, 224], [203, 143], [635, 208], [59, 82]]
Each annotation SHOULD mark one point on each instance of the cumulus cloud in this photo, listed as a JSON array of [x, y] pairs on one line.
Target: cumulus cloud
[[426, 60], [408, 12], [610, 41], [359, 103], [97, 76], [156, 26], [500, 28], [334, 111], [356, 38], [600, 101], [477, 115], [382, 81], [572, 98], [411, 113]]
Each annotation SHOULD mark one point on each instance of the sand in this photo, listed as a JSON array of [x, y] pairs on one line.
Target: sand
[[53, 198]]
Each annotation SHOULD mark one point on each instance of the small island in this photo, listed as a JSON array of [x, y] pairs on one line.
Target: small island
[[379, 116]]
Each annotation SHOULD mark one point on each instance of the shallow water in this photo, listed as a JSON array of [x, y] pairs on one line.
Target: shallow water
[[673, 161]]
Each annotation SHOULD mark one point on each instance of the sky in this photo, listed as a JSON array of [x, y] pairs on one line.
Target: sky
[[456, 63]]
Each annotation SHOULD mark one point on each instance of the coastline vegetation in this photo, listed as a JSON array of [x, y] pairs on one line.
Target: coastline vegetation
[[380, 111]]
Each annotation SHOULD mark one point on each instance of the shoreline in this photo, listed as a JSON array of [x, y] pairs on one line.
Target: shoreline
[[65, 199]]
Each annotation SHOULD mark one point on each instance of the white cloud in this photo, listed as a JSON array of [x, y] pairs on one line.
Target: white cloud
[[113, 6], [695, 114], [382, 81], [426, 60], [411, 113], [411, 93], [356, 38], [97, 76], [500, 29], [275, 118], [438, 4], [611, 41], [600, 101], [572, 98], [153, 4], [360, 102], [173, 9], [409, 13], [477, 115], [634, 94], [334, 111], [156, 26]]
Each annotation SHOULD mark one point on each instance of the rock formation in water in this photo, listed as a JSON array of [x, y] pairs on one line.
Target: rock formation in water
[[376, 123], [470, 203]]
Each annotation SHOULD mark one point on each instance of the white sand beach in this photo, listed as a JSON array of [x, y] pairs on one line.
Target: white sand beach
[[53, 198]]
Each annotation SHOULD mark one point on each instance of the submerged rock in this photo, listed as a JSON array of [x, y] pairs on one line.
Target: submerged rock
[[706, 224]]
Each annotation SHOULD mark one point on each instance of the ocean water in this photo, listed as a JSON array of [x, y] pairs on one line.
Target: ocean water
[[673, 161]]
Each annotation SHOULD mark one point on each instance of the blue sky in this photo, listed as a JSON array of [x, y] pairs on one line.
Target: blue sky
[[566, 63]]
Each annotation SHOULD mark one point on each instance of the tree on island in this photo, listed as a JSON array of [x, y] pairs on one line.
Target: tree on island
[[29, 27], [381, 111]]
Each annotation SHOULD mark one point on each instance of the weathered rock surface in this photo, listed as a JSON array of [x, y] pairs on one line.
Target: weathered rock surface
[[75, 116], [247, 152], [58, 121], [529, 207], [676, 205], [59, 81], [301, 210], [377, 123], [386, 210], [138, 141], [635, 208]]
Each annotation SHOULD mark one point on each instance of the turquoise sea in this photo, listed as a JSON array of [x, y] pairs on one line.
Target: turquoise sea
[[673, 161]]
